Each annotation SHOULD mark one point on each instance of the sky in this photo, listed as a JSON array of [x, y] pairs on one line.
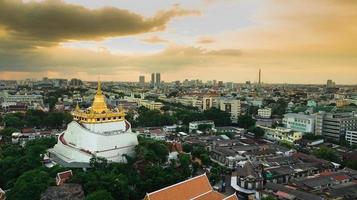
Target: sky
[[291, 41]]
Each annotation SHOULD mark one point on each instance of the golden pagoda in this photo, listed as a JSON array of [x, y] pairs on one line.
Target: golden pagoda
[[98, 112]]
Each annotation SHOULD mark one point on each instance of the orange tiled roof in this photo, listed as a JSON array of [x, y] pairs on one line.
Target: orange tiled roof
[[197, 188], [232, 197], [211, 195], [184, 190]]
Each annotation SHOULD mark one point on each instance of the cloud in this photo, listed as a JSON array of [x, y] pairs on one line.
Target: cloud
[[55, 21], [154, 39], [205, 40], [30, 34]]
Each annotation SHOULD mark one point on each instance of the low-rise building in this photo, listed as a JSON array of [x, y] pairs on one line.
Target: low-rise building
[[299, 122], [194, 126], [232, 106], [281, 134], [152, 105], [351, 137], [264, 112]]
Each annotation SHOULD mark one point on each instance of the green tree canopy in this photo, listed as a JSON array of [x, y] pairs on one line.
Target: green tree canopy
[[30, 185], [245, 121], [327, 154], [100, 195]]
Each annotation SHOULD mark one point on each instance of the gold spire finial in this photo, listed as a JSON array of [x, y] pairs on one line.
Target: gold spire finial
[[99, 105], [77, 107], [99, 89]]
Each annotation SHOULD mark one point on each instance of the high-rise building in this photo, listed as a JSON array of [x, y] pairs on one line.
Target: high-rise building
[[152, 79], [335, 125], [330, 83], [158, 80], [260, 76], [75, 82], [142, 80]]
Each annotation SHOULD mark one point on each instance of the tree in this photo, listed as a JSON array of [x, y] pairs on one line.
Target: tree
[[14, 120], [204, 127], [215, 174], [185, 162], [220, 118], [187, 148], [258, 132], [8, 131], [327, 154], [269, 198], [245, 121], [100, 195], [152, 150], [153, 118], [352, 164], [17, 160], [98, 163], [279, 108], [30, 185]]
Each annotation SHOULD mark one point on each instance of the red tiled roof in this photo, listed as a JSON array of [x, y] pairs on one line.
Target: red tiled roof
[[211, 195], [184, 190], [197, 188], [27, 130], [63, 176], [326, 173], [341, 177], [232, 197]]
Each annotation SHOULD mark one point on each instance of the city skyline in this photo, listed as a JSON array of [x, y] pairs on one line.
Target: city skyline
[[293, 41]]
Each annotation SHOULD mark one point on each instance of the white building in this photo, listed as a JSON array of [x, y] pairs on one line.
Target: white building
[[21, 98], [281, 134], [232, 106], [192, 126], [95, 132], [207, 103], [152, 105], [264, 113], [299, 122], [351, 137]]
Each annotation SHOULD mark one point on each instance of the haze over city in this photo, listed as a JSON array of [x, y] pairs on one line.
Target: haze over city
[[230, 40]]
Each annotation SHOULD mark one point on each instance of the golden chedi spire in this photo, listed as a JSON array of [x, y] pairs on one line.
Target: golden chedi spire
[[99, 105], [77, 108], [99, 112]]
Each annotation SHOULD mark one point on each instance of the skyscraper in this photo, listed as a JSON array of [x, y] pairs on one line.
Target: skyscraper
[[142, 80], [260, 76], [153, 79], [158, 79]]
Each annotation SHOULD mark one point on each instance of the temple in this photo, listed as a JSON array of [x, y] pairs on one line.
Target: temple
[[97, 131]]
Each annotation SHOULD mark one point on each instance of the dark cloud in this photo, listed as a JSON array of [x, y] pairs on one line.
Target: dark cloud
[[30, 30], [56, 21]]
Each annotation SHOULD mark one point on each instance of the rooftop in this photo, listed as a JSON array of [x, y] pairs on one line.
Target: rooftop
[[196, 188]]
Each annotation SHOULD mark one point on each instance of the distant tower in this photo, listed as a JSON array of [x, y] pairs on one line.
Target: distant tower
[[158, 79], [142, 80], [260, 76], [153, 79]]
